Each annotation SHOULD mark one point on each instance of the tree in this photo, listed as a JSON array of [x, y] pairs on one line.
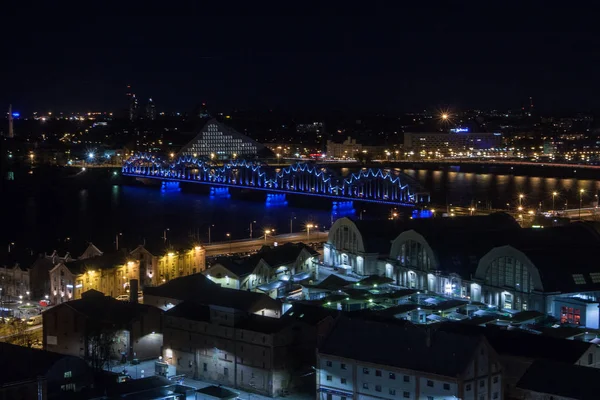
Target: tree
[[100, 341], [362, 157]]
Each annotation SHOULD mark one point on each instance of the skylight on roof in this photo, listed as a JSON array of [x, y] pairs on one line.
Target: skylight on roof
[[595, 277], [579, 279]]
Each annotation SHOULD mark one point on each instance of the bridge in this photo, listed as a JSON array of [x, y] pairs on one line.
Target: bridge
[[383, 186]]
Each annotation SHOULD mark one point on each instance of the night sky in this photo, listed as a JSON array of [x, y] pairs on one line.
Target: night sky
[[375, 60]]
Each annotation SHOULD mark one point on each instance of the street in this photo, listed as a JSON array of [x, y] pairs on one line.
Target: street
[[247, 245]]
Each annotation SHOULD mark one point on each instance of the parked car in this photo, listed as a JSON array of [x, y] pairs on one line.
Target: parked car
[[123, 297]]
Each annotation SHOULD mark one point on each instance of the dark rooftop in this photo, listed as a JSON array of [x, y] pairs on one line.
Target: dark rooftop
[[105, 261], [98, 307], [522, 344], [561, 379], [377, 235], [218, 392], [27, 363], [400, 346], [182, 287]]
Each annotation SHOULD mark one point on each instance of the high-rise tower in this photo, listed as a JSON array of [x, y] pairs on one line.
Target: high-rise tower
[[151, 110], [133, 104], [11, 132]]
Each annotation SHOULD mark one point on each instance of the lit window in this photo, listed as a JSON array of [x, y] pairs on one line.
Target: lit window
[[579, 279]]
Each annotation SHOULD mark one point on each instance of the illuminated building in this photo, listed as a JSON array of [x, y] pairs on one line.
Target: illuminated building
[[108, 273], [133, 104], [272, 270], [220, 142], [347, 149], [461, 142], [373, 360], [68, 328], [161, 263], [14, 282], [151, 110]]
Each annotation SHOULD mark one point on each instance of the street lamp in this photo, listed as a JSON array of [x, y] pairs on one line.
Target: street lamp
[[521, 200], [251, 222], [308, 226], [267, 231], [361, 214], [28, 298], [581, 191], [229, 238], [554, 194], [209, 226]]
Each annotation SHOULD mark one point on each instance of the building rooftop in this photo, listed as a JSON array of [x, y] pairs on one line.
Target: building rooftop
[[95, 306], [561, 379], [523, 344], [436, 352], [199, 289], [182, 287], [27, 363], [105, 261], [377, 235]]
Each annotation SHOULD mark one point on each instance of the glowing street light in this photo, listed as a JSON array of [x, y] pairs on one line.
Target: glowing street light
[[308, 226], [445, 116], [521, 196], [268, 231], [91, 155], [554, 194], [581, 191]]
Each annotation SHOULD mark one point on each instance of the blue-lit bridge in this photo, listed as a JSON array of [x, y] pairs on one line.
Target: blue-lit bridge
[[368, 185]]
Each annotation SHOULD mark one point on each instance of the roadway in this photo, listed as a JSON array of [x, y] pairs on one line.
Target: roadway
[[248, 245]]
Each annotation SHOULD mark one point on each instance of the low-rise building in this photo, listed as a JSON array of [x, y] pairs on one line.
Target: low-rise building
[[14, 282], [376, 360], [545, 380], [38, 374], [80, 328], [108, 273], [237, 348], [160, 262], [271, 270]]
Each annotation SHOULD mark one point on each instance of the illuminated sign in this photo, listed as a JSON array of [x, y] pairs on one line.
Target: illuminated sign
[[16, 114], [459, 130]]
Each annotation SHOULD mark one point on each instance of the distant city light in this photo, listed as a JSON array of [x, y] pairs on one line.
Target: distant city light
[[90, 155], [16, 114]]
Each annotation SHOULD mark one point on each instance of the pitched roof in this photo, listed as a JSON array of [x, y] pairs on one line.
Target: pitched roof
[[105, 261], [522, 344], [182, 287], [199, 289], [399, 346], [377, 235], [106, 309], [561, 379], [27, 363]]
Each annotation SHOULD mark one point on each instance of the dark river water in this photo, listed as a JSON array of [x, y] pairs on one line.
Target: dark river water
[[49, 209]]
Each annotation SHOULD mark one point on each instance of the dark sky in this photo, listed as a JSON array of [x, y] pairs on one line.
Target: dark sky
[[369, 58]]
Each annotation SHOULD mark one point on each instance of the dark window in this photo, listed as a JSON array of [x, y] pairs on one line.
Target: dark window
[[365, 385], [378, 388], [406, 378], [328, 363], [329, 396], [446, 386], [481, 383], [226, 371], [468, 387], [393, 392], [406, 395], [590, 358], [343, 366], [495, 395], [430, 383], [342, 398], [329, 377], [366, 371], [392, 375], [343, 381], [495, 379], [205, 367], [377, 372]]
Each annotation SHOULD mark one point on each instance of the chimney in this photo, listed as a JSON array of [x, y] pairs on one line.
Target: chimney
[[11, 132], [133, 290]]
